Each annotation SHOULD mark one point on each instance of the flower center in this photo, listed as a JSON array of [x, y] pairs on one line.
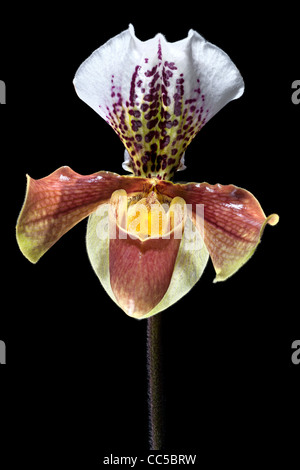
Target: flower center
[[147, 217], [151, 217]]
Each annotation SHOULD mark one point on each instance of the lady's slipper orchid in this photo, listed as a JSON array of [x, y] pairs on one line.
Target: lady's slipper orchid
[[149, 239]]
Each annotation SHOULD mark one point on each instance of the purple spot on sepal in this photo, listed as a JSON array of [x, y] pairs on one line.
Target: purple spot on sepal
[[156, 116], [150, 136], [152, 123], [132, 95], [136, 125], [144, 107], [150, 73], [152, 113], [164, 142], [159, 53], [171, 161], [134, 112], [166, 100], [170, 65]]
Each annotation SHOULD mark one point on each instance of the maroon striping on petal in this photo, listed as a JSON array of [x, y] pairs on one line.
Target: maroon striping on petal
[[54, 204]]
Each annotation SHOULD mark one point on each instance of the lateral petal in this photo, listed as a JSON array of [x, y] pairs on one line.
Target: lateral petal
[[233, 221], [54, 204]]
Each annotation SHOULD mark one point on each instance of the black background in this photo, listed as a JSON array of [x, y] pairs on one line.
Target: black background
[[75, 386]]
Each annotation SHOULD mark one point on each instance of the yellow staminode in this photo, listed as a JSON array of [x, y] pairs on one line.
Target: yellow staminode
[[147, 217]]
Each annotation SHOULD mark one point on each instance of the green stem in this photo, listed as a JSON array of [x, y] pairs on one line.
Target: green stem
[[155, 382]]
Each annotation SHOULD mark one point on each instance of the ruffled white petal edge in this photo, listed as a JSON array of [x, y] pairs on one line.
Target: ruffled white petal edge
[[220, 80], [157, 95]]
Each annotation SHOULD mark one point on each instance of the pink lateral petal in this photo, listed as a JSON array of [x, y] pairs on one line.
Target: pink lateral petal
[[233, 221], [54, 204]]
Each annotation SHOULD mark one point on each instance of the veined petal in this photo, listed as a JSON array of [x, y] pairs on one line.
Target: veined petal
[[54, 204], [233, 221], [157, 95], [191, 261], [141, 271], [143, 276]]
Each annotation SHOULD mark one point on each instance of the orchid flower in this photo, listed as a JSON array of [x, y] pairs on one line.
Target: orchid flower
[[149, 239]]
